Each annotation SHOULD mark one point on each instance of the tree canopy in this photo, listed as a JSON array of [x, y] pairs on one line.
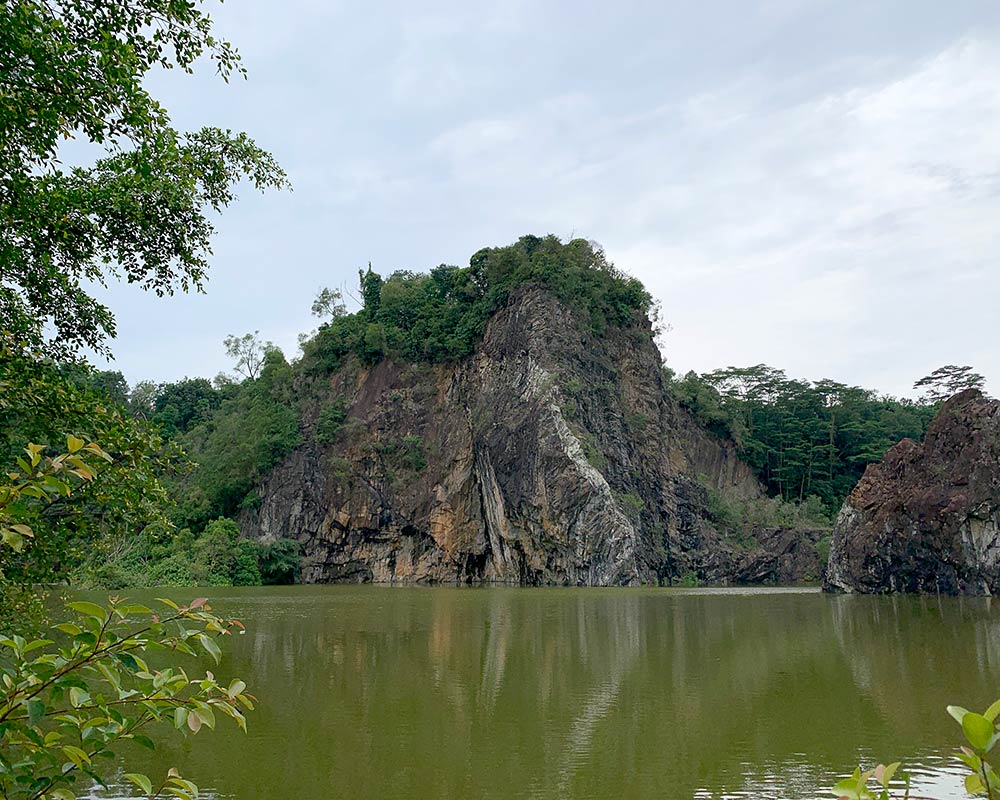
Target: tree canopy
[[74, 69], [440, 315]]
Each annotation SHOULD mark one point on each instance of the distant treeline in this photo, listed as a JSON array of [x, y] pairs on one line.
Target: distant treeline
[[804, 439]]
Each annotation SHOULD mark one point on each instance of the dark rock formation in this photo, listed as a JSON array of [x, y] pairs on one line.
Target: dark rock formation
[[927, 518], [550, 455], [779, 556]]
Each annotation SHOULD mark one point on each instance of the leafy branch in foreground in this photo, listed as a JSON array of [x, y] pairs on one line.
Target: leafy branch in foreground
[[44, 480], [981, 734], [66, 702]]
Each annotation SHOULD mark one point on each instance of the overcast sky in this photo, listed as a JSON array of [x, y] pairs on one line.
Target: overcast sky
[[813, 185]]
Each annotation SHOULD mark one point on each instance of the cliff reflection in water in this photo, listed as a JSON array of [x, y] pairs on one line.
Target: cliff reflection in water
[[555, 693]]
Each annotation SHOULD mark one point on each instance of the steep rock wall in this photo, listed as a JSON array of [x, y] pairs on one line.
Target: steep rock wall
[[548, 456]]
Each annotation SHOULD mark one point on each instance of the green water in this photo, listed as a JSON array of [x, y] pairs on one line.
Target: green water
[[370, 692]]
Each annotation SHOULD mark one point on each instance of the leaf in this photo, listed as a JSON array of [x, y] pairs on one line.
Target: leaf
[[194, 722], [73, 444], [974, 784], [36, 710], [978, 730], [206, 715], [210, 647], [993, 711], [76, 755], [958, 713], [78, 696], [88, 609], [848, 788], [141, 781]]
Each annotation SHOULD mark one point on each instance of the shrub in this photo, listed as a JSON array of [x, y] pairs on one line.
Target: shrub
[[330, 422]]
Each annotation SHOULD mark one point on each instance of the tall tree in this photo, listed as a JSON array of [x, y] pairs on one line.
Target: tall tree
[[950, 379], [75, 69], [248, 352], [329, 303]]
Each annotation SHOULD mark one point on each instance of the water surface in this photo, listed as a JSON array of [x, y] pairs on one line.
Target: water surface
[[374, 692]]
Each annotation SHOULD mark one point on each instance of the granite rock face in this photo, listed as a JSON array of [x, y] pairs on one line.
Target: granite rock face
[[927, 518], [549, 456]]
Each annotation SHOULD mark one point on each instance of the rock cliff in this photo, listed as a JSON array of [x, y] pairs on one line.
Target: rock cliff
[[927, 518], [548, 456]]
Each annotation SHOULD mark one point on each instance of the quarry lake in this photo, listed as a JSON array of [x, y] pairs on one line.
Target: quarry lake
[[377, 692]]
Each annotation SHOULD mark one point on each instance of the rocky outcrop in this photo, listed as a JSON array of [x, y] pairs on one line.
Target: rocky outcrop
[[927, 518], [551, 455]]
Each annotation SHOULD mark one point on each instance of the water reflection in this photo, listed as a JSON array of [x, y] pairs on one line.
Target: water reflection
[[564, 693]]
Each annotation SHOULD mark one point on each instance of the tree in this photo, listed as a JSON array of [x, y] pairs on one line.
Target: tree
[[39, 406], [948, 380], [329, 303], [76, 69], [249, 352]]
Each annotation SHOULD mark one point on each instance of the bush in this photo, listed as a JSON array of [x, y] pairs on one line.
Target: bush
[[330, 422], [280, 561]]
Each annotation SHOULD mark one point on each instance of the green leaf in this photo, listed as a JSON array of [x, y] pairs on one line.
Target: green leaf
[[76, 755], [210, 647], [958, 713], [73, 444], [36, 710], [978, 730], [88, 609], [78, 697], [974, 784], [141, 781], [848, 788], [993, 711]]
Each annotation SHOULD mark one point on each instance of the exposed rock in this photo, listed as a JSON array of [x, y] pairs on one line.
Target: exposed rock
[[548, 456], [780, 556], [927, 518]]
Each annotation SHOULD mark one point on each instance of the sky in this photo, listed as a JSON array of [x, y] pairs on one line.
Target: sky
[[808, 184]]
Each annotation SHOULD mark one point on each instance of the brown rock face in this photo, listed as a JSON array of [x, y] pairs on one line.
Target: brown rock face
[[927, 518], [548, 456]]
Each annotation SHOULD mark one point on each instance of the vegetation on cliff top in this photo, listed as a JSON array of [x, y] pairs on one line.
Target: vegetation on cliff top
[[440, 316]]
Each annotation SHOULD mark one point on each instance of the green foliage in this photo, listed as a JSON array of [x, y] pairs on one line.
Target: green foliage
[[631, 504], [736, 516], [40, 410], [247, 435], [218, 556], [412, 453], [803, 439], [330, 421], [948, 380], [689, 580], [280, 561], [636, 422], [177, 407], [591, 451], [67, 701], [887, 782], [439, 316], [76, 69]]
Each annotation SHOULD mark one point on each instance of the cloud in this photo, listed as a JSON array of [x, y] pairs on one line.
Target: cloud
[[805, 183]]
